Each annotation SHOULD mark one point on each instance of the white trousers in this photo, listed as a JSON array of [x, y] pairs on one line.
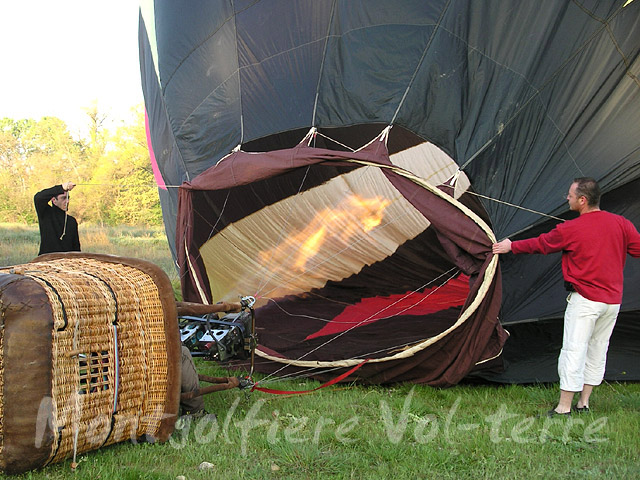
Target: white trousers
[[587, 329]]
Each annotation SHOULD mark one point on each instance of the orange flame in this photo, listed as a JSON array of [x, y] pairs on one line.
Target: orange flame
[[354, 214]]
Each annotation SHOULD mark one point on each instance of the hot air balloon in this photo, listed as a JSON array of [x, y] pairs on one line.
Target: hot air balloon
[[349, 163]]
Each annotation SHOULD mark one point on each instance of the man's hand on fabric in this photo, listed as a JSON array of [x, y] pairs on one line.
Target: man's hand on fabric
[[502, 247]]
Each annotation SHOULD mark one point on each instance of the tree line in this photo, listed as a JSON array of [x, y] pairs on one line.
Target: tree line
[[112, 170]]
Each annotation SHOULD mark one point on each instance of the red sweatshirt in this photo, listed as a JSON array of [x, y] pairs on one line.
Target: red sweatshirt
[[594, 248]]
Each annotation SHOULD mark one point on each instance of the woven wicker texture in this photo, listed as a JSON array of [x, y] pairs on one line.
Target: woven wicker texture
[[109, 352]]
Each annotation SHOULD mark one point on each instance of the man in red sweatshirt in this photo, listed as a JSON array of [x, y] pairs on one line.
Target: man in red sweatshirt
[[594, 248]]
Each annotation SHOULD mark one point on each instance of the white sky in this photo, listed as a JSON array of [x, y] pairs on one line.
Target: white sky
[[61, 56]]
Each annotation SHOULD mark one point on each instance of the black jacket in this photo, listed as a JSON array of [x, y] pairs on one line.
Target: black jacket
[[51, 220]]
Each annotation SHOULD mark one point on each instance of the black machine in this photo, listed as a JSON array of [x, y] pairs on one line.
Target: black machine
[[220, 339]]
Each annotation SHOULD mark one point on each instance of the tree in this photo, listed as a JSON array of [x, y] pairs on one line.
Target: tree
[[97, 137], [33, 154], [137, 199], [122, 187], [113, 171]]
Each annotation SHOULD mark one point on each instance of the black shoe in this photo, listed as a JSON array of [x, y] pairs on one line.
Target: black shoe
[[198, 413], [194, 413], [552, 413], [578, 409]]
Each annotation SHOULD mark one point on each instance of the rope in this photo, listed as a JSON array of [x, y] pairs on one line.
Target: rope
[[424, 53], [425, 343], [197, 257], [324, 56], [314, 371], [237, 72], [422, 344], [281, 234], [74, 463], [382, 309], [298, 392], [64, 228], [125, 185], [515, 206], [373, 315], [320, 264], [538, 90], [336, 142]]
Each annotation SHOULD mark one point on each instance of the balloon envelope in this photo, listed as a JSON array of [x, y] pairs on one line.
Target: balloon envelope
[[521, 98]]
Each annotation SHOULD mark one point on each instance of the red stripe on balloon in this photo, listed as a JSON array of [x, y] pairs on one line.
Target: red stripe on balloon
[[154, 164], [369, 310]]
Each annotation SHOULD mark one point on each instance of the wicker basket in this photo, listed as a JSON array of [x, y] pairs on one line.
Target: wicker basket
[[89, 356]]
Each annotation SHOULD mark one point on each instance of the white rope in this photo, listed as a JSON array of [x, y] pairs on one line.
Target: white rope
[[75, 436], [486, 280], [424, 54], [273, 273], [320, 264], [125, 185], [336, 142], [328, 320], [373, 315], [203, 297], [268, 279], [416, 346], [213, 227], [514, 205], [64, 228], [420, 345], [324, 56]]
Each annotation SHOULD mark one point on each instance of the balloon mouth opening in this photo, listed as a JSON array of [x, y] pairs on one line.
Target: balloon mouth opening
[[334, 252]]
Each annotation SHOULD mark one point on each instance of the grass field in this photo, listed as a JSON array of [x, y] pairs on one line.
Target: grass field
[[20, 243], [361, 432]]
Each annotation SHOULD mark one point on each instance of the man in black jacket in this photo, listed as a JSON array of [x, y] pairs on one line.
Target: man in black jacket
[[58, 229]]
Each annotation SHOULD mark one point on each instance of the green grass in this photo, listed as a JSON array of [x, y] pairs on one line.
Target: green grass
[[401, 431], [19, 244], [360, 432]]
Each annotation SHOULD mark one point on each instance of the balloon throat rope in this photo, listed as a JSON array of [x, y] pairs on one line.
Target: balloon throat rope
[[64, 228], [448, 275], [515, 206]]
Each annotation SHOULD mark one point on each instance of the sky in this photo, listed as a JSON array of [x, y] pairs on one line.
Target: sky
[[59, 57]]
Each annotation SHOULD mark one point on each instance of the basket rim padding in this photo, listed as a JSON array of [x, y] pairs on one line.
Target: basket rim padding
[[27, 347]]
